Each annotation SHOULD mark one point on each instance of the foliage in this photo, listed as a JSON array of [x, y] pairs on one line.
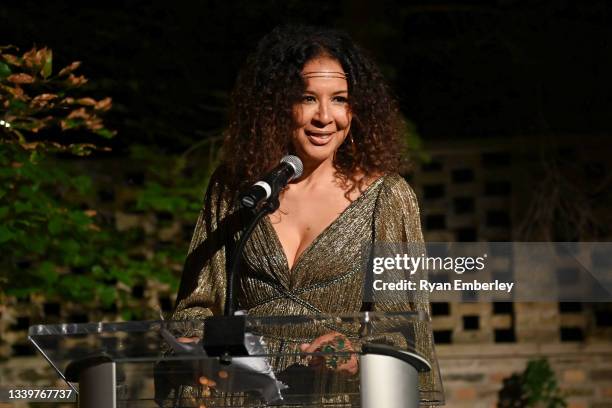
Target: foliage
[[43, 235], [535, 387], [415, 150], [33, 99], [53, 239], [57, 245], [175, 183]]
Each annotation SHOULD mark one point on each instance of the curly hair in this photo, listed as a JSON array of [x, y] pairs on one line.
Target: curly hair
[[261, 114]]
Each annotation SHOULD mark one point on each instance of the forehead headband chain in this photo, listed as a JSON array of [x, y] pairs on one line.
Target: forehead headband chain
[[325, 74]]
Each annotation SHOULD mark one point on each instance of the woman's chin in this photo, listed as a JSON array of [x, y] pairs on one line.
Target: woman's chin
[[316, 154]]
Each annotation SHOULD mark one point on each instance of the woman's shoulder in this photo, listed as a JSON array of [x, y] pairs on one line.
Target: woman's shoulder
[[396, 193], [396, 213], [396, 184], [218, 192]]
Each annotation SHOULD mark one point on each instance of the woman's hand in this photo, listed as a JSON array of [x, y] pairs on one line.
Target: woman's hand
[[331, 342], [206, 383], [187, 339]]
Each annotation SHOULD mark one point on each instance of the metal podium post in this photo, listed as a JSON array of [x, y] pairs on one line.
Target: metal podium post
[[97, 378], [390, 377]]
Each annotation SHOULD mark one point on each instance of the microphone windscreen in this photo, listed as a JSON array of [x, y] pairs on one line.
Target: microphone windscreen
[[294, 162]]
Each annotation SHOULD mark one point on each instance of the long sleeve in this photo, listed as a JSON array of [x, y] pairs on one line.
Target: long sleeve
[[202, 288], [397, 217], [396, 223], [203, 283]]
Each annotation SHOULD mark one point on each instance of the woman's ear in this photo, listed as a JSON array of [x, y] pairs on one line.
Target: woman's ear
[[349, 114]]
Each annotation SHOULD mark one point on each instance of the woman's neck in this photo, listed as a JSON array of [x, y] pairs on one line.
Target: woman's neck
[[317, 172]]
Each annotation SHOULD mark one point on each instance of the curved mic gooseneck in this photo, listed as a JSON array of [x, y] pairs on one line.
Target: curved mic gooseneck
[[267, 189]]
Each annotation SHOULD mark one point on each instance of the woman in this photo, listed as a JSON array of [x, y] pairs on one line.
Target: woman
[[312, 93]]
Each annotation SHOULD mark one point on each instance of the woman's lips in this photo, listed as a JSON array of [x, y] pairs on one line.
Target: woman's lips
[[319, 138]]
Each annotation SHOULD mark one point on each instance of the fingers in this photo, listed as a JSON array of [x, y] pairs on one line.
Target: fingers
[[187, 339], [351, 367], [328, 343], [207, 382], [319, 342], [207, 385]]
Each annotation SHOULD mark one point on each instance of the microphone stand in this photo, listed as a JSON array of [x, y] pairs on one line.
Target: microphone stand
[[268, 207], [224, 335]]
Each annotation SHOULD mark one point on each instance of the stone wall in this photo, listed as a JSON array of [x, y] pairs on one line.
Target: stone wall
[[480, 192], [474, 374]]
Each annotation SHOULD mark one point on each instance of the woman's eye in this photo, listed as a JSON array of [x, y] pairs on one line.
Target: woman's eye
[[308, 99], [340, 99]]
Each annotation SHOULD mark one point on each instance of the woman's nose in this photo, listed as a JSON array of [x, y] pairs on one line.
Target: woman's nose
[[322, 115]]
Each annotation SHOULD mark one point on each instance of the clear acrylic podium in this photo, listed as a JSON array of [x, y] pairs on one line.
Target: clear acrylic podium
[[141, 364]]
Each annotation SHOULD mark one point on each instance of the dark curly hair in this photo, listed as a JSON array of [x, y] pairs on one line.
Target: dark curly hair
[[261, 115]]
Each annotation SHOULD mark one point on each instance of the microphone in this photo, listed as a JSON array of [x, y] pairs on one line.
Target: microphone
[[271, 184]]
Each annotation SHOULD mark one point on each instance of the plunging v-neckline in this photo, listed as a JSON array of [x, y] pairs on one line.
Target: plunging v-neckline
[[301, 255]]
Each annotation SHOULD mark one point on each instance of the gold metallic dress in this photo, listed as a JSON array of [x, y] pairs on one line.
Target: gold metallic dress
[[327, 278]]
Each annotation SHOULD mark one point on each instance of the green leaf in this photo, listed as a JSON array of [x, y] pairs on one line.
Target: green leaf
[[127, 314], [4, 212], [72, 123], [7, 173], [48, 67], [21, 207], [5, 70], [20, 293], [82, 184], [38, 245], [107, 294], [18, 105], [105, 133], [70, 246], [97, 271], [80, 219], [55, 225], [122, 276], [5, 234], [26, 223], [47, 272], [81, 149]]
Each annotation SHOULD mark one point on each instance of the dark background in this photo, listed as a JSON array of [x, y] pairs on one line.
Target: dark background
[[487, 84], [461, 69]]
